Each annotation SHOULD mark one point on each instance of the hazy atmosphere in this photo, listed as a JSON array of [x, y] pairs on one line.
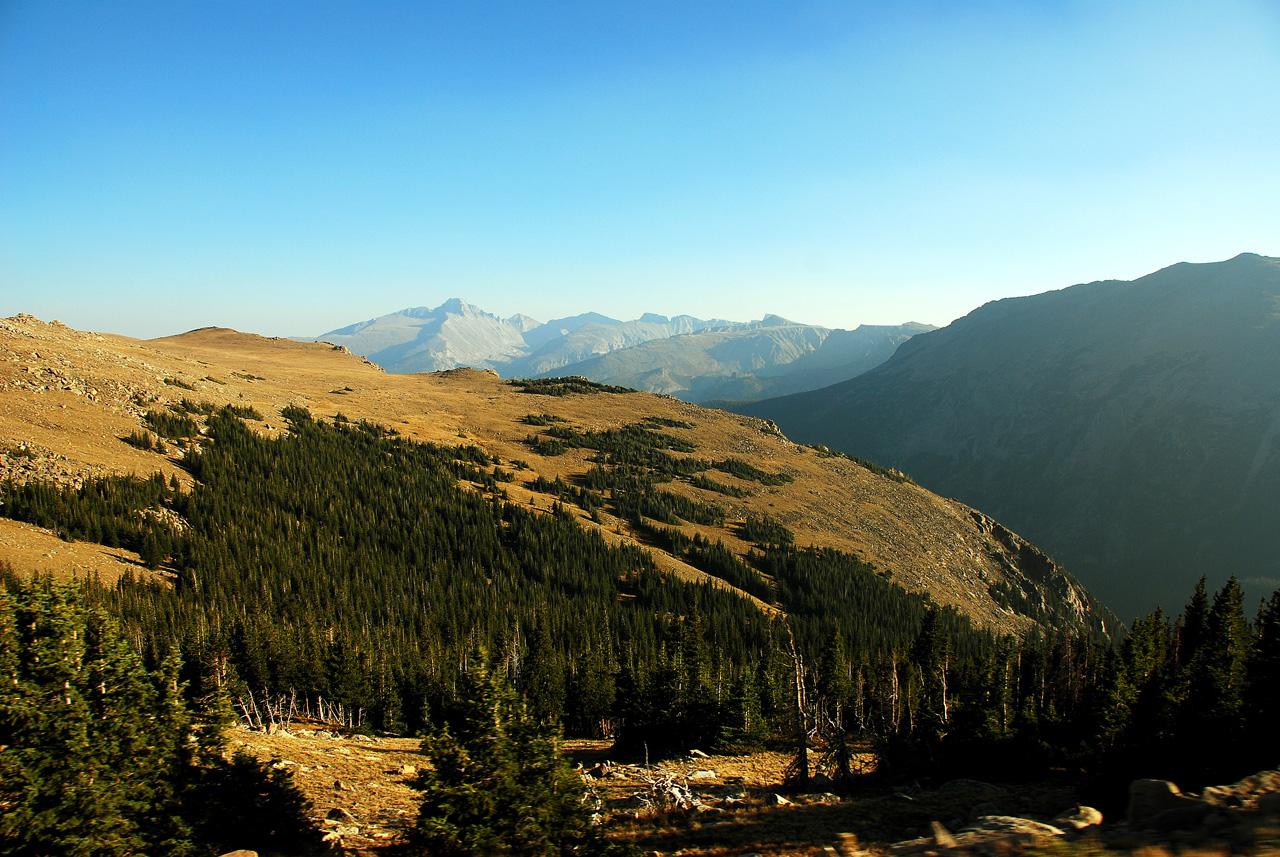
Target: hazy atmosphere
[[291, 168]]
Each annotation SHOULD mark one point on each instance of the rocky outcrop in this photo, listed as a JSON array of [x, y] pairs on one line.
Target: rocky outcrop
[[1239, 815], [988, 834], [1242, 816]]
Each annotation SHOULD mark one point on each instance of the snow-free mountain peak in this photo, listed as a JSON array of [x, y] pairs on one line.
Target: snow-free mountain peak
[[714, 358]]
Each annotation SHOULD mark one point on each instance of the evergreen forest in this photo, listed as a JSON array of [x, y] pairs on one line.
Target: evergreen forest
[[342, 572]]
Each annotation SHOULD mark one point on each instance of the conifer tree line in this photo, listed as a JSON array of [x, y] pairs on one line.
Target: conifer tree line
[[100, 755], [341, 569]]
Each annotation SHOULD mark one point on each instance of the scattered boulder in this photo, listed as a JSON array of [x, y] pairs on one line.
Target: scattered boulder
[[1009, 829], [992, 834], [1078, 818], [1150, 799], [702, 775], [408, 771], [341, 814], [699, 754], [777, 800]]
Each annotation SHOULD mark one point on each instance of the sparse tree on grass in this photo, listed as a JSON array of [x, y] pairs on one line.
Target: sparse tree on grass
[[496, 783]]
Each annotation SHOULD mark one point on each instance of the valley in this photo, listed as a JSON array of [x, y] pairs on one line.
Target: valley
[[342, 557], [1127, 428]]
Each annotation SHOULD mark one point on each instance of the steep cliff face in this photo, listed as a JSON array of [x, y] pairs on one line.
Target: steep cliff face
[[1128, 428], [1039, 587]]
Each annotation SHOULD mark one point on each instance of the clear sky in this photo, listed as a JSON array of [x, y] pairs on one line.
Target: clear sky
[[289, 168]]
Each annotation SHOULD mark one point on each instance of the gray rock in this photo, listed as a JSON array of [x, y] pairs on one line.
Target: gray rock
[[1149, 799], [1078, 818], [1189, 817], [1006, 829]]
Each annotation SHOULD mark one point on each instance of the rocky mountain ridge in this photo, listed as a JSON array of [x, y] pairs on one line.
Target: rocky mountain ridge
[[922, 542], [691, 358]]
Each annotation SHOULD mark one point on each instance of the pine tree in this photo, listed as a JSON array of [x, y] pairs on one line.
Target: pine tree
[[835, 689], [932, 656], [1213, 715], [544, 685], [1263, 695], [98, 757], [1195, 622], [496, 784]]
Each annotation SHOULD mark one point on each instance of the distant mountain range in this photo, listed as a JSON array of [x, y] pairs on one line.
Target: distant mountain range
[[690, 358], [1131, 429]]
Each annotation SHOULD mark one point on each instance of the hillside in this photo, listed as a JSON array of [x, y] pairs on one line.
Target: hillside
[[67, 399], [1129, 428], [694, 359]]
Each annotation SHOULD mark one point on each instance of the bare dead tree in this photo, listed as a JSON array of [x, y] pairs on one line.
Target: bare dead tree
[[798, 771]]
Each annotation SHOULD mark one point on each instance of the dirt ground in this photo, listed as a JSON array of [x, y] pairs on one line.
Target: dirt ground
[[737, 804]]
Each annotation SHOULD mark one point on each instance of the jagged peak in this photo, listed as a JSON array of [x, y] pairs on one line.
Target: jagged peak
[[456, 306]]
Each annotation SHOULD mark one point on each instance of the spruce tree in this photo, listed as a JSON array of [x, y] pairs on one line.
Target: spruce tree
[[1195, 622], [496, 783], [932, 656], [1263, 695], [98, 756], [1213, 717], [544, 685]]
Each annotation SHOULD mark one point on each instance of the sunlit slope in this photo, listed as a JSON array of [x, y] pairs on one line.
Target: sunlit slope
[[67, 398]]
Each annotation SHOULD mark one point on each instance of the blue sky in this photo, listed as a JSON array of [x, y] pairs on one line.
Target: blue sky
[[289, 168]]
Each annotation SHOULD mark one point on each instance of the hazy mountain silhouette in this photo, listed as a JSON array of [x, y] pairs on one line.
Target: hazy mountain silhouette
[[1131, 429], [748, 361], [694, 359]]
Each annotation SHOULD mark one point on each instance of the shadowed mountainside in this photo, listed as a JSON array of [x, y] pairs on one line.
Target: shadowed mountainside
[[1129, 428], [748, 361]]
